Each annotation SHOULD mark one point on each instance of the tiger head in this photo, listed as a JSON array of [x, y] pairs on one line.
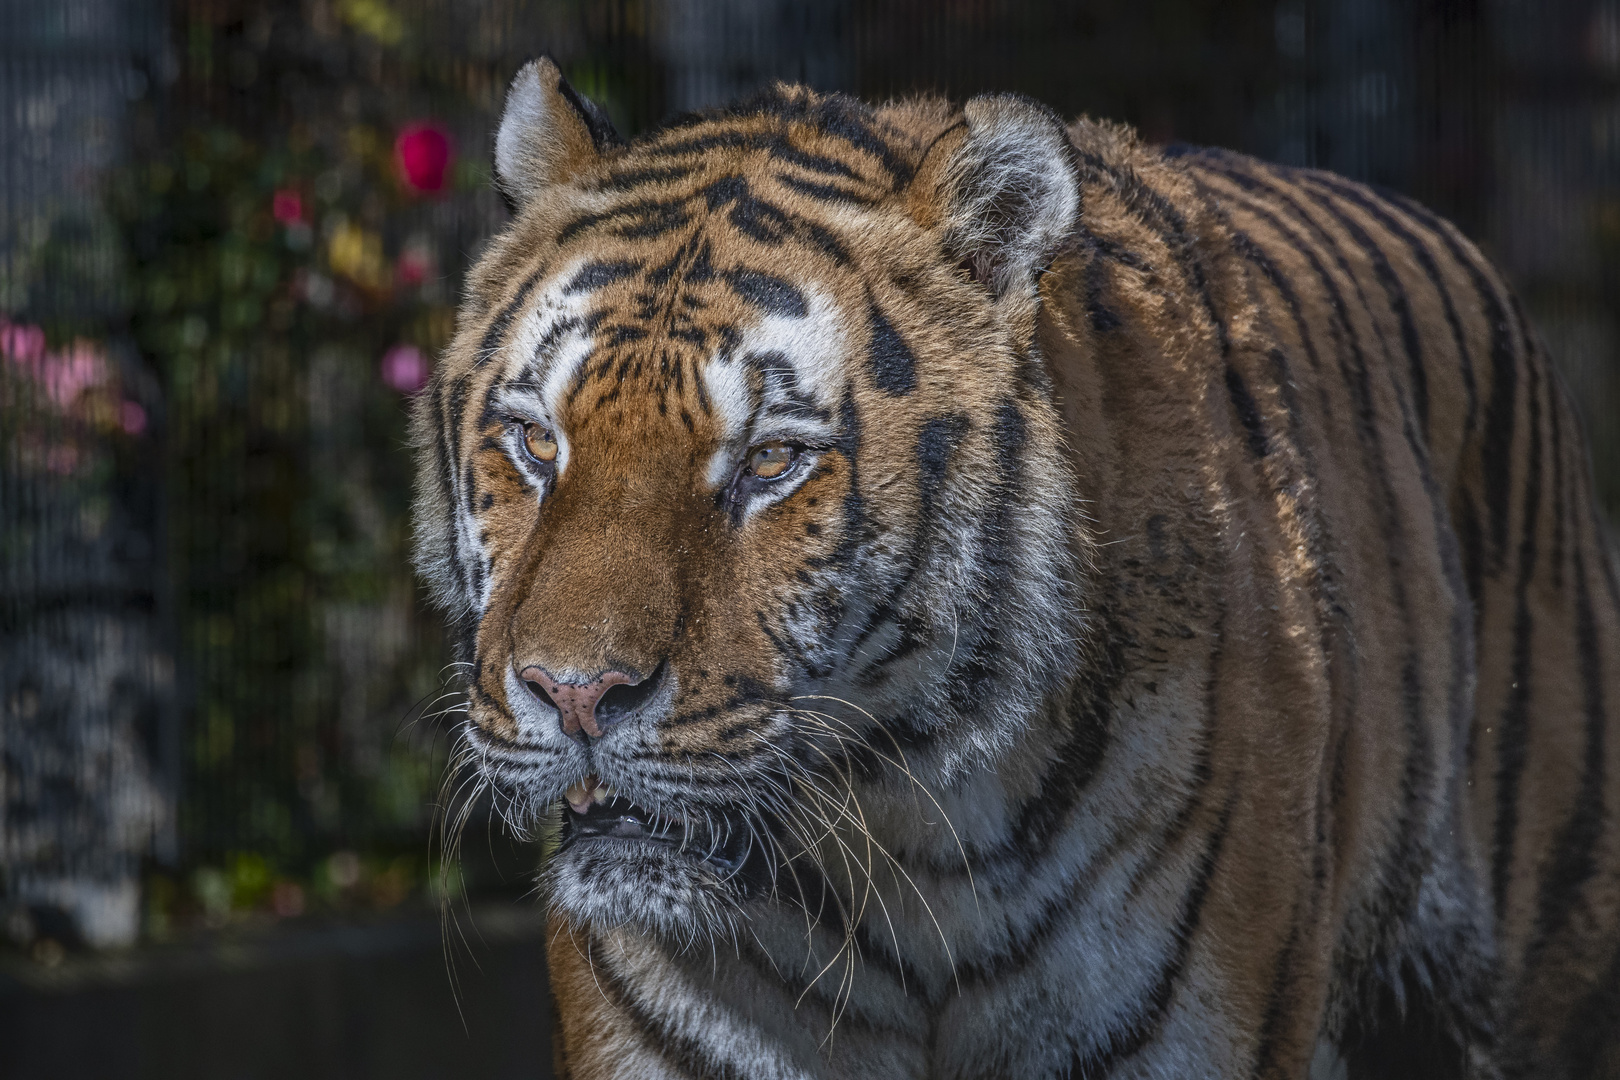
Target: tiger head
[[741, 478]]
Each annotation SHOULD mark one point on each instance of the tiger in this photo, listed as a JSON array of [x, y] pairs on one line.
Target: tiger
[[962, 594]]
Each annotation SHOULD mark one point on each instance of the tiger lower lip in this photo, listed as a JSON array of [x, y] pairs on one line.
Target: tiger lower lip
[[612, 816], [596, 812]]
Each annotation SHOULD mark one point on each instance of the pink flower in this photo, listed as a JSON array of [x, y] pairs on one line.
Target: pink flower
[[67, 375], [413, 266], [287, 206], [22, 343], [405, 368], [423, 155], [131, 417]]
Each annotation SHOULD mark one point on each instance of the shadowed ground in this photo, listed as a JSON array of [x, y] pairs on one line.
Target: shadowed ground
[[342, 1001]]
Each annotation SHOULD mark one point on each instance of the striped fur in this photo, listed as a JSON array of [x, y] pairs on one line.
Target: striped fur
[[1186, 646]]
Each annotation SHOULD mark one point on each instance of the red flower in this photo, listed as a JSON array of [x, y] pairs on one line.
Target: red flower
[[423, 155], [287, 206]]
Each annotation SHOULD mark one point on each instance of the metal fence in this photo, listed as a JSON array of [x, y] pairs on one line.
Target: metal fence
[[231, 238]]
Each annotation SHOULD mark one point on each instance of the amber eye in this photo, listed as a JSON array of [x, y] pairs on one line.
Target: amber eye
[[771, 460], [539, 442]]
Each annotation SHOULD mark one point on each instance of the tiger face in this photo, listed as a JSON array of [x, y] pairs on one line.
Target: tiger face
[[741, 471]]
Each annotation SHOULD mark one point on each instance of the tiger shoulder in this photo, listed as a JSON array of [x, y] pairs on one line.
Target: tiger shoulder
[[969, 595]]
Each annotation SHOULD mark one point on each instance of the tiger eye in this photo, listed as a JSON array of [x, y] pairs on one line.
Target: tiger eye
[[771, 460], [538, 441]]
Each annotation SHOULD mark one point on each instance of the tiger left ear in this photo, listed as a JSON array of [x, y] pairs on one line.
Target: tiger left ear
[[549, 132], [1001, 187]]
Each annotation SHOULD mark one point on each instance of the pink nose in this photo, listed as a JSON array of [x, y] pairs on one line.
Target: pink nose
[[575, 702]]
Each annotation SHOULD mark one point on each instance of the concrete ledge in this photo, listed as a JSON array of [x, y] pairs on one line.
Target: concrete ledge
[[345, 1000]]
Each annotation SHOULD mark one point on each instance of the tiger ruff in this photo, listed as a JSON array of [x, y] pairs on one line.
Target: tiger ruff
[[1181, 644]]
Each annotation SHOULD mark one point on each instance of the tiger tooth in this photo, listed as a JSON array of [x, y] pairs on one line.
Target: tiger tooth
[[579, 795], [604, 792]]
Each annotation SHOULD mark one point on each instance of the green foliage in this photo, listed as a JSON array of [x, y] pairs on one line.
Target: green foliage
[[272, 273]]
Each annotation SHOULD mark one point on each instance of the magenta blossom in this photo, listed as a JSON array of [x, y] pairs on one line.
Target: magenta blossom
[[287, 206], [68, 374], [423, 155], [131, 417], [405, 368], [65, 374], [22, 343]]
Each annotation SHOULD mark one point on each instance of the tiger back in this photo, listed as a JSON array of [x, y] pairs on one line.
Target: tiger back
[[967, 596]]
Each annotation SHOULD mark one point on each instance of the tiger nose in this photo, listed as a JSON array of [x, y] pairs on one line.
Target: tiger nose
[[576, 702]]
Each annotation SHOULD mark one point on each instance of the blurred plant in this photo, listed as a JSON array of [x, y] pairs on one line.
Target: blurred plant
[[248, 888], [292, 261], [288, 295], [59, 404]]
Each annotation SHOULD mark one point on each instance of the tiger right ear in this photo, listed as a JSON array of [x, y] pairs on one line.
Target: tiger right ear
[[549, 132], [1002, 188]]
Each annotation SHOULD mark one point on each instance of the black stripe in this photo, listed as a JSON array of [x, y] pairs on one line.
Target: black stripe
[[448, 467], [1246, 246], [1574, 858], [770, 294], [939, 436], [1354, 373], [1103, 318], [888, 357], [794, 986], [639, 219], [603, 134], [1150, 1015], [1422, 769], [1561, 499], [782, 150], [1513, 724], [1394, 292], [1248, 412], [1159, 214], [1591, 1028], [835, 193], [854, 506], [1322, 585], [1502, 408], [594, 275], [1281, 1000], [630, 179], [503, 319], [1471, 537], [1410, 857], [679, 1051], [837, 115], [1040, 820], [1417, 773], [1421, 252], [766, 222]]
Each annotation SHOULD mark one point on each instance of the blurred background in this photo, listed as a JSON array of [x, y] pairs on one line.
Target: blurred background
[[232, 235]]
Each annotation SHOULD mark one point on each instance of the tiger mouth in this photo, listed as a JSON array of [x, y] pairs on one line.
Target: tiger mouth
[[593, 813]]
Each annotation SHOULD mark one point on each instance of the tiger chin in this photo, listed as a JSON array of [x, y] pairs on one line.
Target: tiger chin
[[970, 595]]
